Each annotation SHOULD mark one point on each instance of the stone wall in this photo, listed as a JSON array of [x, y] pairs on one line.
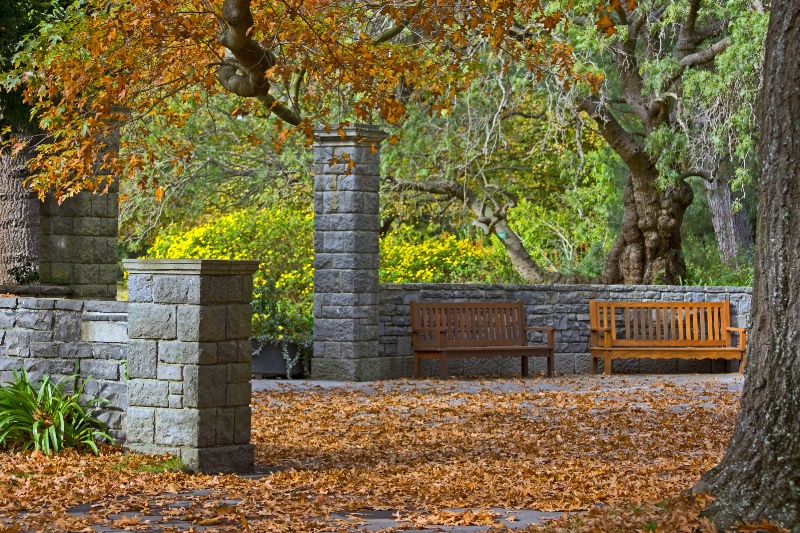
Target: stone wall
[[564, 307], [174, 362], [78, 244], [55, 337]]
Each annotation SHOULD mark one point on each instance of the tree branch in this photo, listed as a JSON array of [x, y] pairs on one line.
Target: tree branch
[[623, 142], [699, 173], [244, 71], [699, 58]]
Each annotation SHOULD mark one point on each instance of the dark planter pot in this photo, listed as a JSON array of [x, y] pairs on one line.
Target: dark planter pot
[[269, 363]]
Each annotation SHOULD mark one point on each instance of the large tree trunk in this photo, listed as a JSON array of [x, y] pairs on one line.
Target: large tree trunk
[[19, 217], [732, 229], [759, 477], [648, 248]]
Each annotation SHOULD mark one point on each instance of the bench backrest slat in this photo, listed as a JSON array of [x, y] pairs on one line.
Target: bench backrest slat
[[469, 324], [662, 323]]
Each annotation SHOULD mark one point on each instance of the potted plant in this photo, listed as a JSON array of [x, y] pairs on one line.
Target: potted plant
[[281, 334]]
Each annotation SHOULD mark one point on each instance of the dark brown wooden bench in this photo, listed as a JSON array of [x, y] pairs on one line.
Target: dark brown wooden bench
[[486, 329], [662, 330]]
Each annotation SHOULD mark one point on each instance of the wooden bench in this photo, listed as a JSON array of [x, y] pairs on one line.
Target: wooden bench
[[488, 329], [661, 330]]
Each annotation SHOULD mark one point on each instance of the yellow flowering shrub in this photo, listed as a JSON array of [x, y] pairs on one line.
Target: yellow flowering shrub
[[445, 258], [281, 238]]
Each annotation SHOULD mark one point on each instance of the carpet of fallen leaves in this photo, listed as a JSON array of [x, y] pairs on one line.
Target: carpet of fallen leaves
[[419, 447]]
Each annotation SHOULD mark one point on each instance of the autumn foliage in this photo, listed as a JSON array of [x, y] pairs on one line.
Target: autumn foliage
[[117, 64], [609, 445]]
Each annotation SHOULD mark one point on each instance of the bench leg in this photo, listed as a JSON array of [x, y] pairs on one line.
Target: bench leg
[[607, 365], [417, 366], [443, 366], [550, 364], [524, 365], [741, 364]]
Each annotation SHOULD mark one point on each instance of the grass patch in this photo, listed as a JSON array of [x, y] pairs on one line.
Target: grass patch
[[134, 462]]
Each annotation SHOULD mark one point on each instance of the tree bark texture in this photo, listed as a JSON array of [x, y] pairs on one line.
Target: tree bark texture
[[19, 217], [759, 477], [731, 229], [648, 248]]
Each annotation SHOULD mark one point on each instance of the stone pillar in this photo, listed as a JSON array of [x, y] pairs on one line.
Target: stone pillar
[[189, 357], [78, 247], [346, 231]]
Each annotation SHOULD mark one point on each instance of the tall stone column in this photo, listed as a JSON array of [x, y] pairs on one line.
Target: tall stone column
[[346, 231], [189, 358]]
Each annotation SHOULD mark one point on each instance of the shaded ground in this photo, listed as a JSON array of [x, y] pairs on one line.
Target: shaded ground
[[443, 455]]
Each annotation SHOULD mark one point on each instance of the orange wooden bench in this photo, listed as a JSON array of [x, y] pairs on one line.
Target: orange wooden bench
[[662, 330], [485, 329]]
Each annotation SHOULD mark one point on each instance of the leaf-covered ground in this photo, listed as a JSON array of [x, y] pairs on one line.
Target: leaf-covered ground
[[568, 444]]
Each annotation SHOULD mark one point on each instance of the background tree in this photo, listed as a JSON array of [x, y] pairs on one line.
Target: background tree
[[646, 52], [718, 129], [340, 61], [758, 477], [313, 62], [495, 162], [216, 161]]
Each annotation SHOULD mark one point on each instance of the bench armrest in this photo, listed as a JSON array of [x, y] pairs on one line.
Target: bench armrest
[[594, 337], [742, 336], [551, 340], [441, 337]]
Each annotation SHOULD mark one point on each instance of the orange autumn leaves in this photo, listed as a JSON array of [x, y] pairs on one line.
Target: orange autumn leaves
[[418, 447], [436, 445], [121, 63]]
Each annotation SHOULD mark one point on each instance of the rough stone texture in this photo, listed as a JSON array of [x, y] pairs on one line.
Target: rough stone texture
[[78, 243], [564, 307], [346, 227], [184, 314], [59, 338]]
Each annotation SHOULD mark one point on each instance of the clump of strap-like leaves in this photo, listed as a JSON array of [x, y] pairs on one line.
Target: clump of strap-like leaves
[[46, 418]]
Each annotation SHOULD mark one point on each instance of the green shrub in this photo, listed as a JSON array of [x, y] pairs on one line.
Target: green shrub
[[47, 419], [705, 268]]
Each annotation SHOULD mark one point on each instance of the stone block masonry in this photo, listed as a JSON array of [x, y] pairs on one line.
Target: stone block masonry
[[564, 307], [78, 243], [58, 338], [175, 361], [189, 361], [346, 229]]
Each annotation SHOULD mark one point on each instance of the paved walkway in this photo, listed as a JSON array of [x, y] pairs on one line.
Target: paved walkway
[[372, 520]]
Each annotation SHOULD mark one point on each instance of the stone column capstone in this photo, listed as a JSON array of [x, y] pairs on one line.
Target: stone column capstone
[[346, 231], [189, 361]]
